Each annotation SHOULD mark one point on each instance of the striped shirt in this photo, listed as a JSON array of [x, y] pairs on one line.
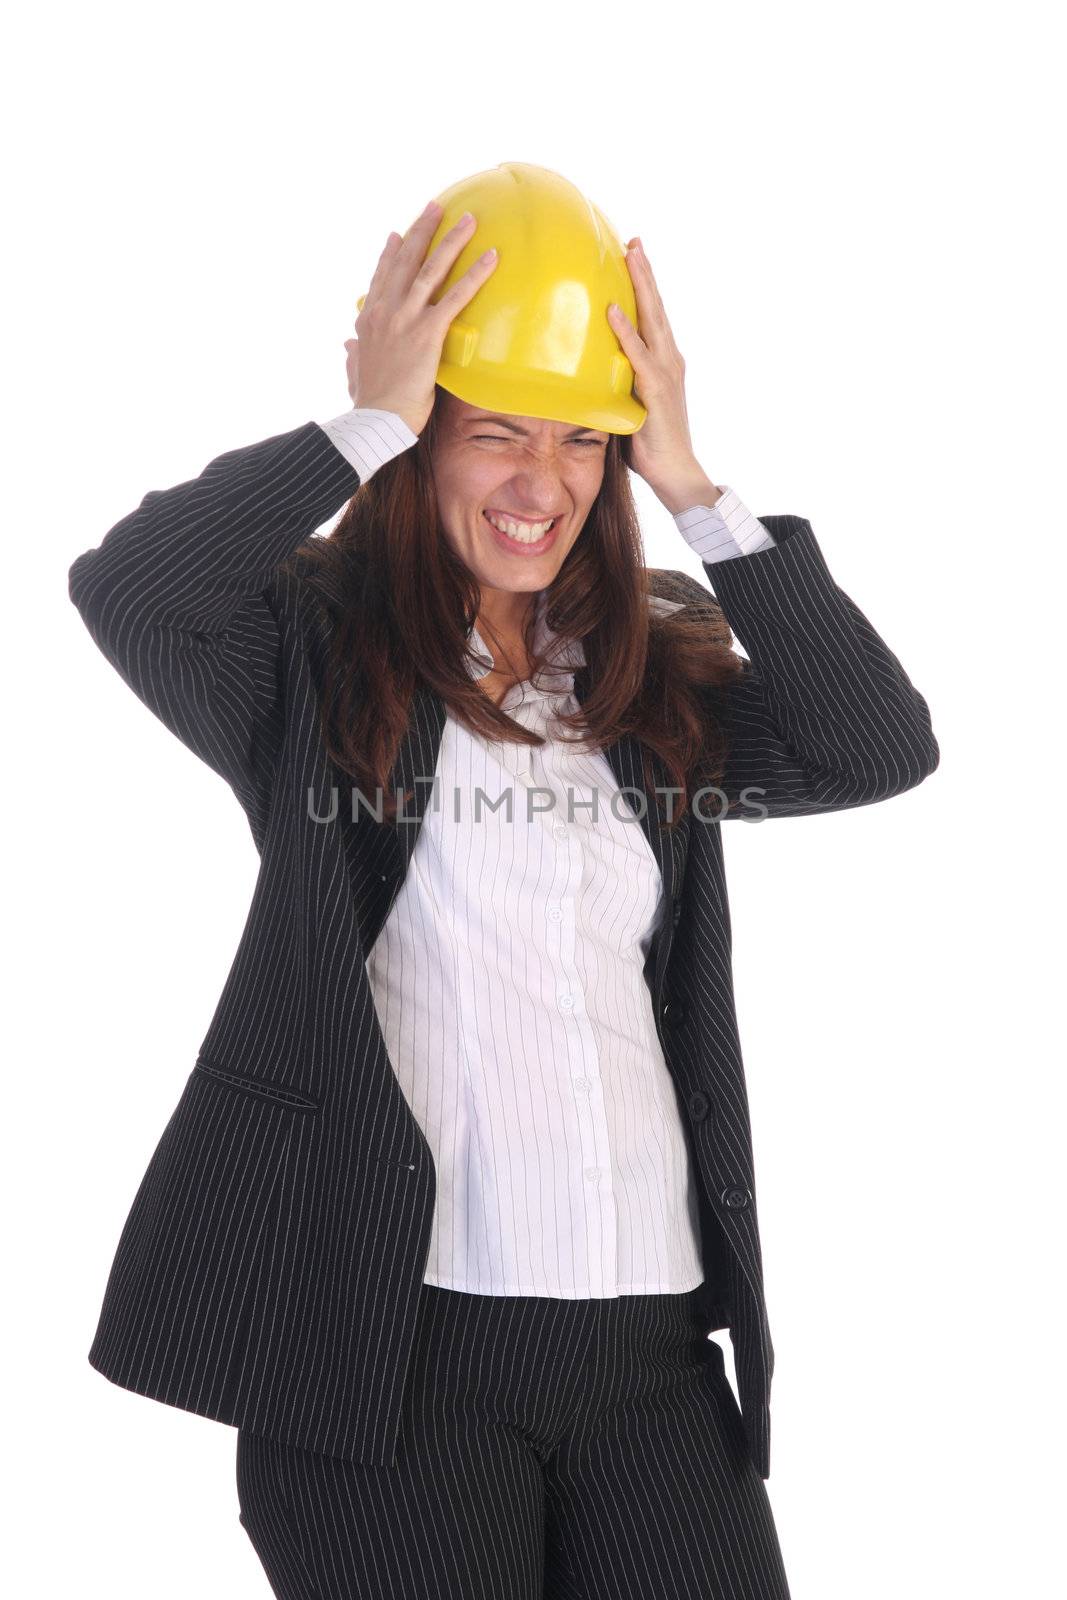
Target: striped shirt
[[508, 979]]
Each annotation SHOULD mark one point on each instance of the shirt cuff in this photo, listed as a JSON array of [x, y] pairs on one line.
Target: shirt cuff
[[724, 530], [368, 438]]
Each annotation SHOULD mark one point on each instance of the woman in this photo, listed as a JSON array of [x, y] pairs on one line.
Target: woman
[[462, 1177]]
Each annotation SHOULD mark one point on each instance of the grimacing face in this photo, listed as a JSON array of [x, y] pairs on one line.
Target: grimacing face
[[514, 467]]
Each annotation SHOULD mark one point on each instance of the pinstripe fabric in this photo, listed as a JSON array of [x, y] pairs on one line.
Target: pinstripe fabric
[[269, 1271], [571, 1449], [723, 531], [368, 438]]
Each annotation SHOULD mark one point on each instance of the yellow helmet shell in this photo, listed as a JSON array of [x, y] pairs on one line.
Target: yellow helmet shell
[[535, 339]]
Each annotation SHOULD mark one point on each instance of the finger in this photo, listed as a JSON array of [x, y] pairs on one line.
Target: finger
[[381, 271], [649, 300], [636, 254], [645, 286], [436, 267], [412, 253], [419, 285], [400, 260], [632, 343], [468, 285], [424, 227]]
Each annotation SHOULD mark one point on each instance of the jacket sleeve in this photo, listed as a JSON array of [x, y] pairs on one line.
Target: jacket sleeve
[[175, 594], [824, 715]]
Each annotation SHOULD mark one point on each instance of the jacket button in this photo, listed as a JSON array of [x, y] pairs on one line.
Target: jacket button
[[699, 1105], [676, 913], [736, 1198], [672, 1013]]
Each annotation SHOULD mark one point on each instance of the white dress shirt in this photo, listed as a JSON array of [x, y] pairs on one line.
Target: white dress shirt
[[508, 980]]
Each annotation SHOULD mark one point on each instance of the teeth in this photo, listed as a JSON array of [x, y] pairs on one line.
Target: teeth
[[524, 532]]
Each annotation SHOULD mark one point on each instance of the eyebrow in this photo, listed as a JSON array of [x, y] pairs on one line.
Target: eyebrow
[[499, 422]]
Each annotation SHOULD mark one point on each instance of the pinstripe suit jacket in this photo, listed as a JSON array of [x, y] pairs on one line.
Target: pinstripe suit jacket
[[269, 1269]]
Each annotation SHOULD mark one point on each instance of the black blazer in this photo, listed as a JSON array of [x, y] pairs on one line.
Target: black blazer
[[269, 1270]]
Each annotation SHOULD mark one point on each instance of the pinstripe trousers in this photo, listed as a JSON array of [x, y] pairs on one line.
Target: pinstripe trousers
[[571, 1449]]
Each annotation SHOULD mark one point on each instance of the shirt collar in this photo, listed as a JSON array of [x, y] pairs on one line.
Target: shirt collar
[[566, 655]]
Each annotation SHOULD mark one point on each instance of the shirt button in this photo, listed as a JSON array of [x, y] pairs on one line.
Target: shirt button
[[554, 914], [560, 830], [583, 1083], [566, 1002], [592, 1173]]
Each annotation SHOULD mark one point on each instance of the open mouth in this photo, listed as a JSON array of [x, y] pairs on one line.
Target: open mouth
[[523, 540]]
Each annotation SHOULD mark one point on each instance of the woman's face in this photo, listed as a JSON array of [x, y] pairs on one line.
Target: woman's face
[[518, 468]]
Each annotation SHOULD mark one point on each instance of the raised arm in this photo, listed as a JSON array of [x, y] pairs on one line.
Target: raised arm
[[175, 594], [823, 716]]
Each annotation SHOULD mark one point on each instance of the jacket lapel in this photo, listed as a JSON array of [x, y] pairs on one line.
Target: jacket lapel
[[414, 768], [670, 848], [624, 756]]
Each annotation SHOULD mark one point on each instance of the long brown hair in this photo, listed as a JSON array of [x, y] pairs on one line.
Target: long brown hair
[[401, 602]]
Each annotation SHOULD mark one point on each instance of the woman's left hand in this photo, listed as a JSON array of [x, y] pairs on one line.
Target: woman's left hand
[[661, 451]]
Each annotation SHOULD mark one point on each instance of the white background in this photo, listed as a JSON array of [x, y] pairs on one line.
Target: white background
[[852, 215]]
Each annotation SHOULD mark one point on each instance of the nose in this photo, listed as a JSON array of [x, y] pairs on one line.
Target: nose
[[538, 489]]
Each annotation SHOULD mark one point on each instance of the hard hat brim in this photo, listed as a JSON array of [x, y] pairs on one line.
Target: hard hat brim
[[549, 398]]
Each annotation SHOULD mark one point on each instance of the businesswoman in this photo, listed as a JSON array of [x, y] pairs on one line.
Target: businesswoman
[[456, 1189]]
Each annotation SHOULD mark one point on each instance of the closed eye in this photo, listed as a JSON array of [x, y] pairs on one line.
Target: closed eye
[[499, 438]]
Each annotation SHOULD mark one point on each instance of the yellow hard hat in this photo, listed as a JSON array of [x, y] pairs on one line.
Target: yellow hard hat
[[535, 339]]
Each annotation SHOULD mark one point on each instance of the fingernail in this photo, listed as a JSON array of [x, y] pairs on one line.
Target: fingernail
[[433, 206], [468, 216]]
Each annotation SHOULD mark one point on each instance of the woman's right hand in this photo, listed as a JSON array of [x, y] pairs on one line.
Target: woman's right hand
[[393, 361]]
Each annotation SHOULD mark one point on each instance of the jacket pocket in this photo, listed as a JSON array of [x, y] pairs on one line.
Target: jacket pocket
[[258, 1088]]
